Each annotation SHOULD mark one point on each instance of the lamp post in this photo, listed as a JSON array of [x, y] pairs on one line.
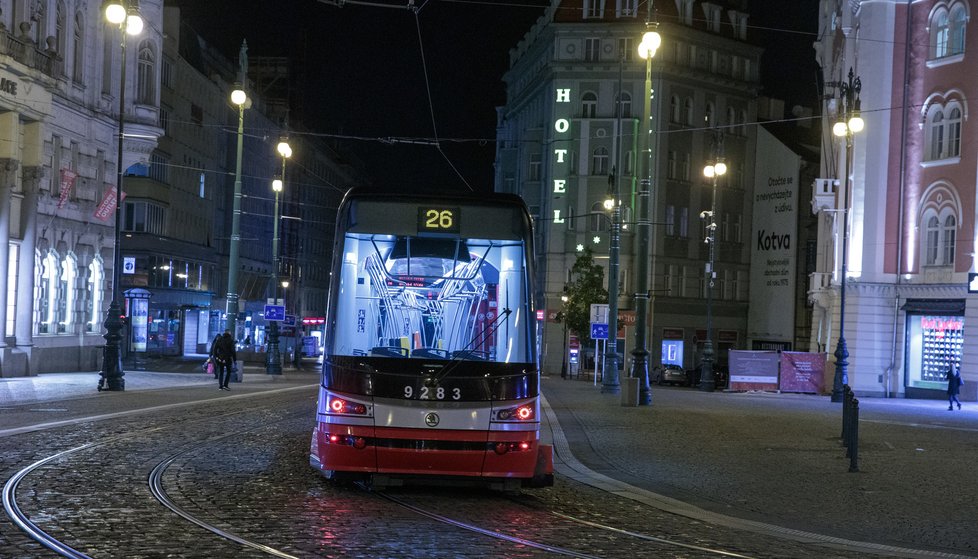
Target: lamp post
[[640, 355], [239, 98], [563, 362], [849, 123], [713, 171], [127, 18], [273, 363]]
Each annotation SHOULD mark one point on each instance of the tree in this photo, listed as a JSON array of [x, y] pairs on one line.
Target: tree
[[585, 288]]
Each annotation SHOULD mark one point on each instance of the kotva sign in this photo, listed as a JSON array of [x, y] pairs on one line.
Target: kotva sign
[[773, 250]]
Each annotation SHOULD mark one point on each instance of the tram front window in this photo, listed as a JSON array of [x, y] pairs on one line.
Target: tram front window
[[432, 298]]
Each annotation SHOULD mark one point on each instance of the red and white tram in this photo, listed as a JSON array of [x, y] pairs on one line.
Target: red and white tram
[[430, 366]]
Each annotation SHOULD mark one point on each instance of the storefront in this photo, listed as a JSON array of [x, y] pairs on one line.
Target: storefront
[[934, 335]]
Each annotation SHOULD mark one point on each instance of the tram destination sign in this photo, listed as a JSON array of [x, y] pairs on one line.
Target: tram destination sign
[[438, 219]]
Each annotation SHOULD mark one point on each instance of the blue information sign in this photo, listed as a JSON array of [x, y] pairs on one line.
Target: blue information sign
[[599, 331], [274, 312], [289, 320]]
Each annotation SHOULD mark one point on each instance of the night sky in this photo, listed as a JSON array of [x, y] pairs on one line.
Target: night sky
[[360, 74]]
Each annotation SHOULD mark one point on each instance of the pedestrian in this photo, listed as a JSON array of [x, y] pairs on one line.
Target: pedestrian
[[211, 362], [225, 357], [954, 383]]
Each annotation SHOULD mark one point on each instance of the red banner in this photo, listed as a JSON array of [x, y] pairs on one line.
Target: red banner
[[802, 372], [67, 183], [105, 209]]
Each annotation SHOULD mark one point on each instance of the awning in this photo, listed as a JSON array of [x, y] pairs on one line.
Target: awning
[[935, 306]]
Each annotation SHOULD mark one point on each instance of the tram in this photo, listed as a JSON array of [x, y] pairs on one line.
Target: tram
[[430, 372]]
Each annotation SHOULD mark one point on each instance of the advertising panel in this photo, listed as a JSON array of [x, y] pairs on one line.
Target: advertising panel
[[802, 372], [754, 370], [773, 241], [139, 322]]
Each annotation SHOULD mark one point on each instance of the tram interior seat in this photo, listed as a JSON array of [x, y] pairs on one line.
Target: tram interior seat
[[430, 353], [388, 351]]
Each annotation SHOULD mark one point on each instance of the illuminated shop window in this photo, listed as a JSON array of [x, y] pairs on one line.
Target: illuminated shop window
[[96, 285]]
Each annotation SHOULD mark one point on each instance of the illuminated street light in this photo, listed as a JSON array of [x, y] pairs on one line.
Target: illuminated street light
[[239, 98], [714, 170], [273, 363], [112, 373], [850, 122], [640, 355]]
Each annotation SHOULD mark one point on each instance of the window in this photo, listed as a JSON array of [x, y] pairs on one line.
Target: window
[[625, 104], [107, 48], [593, 8], [670, 221], [708, 117], [78, 60], [589, 104], [947, 31], [166, 73], [675, 110], [737, 228], [69, 276], [626, 51], [712, 14], [687, 164], [684, 222], [599, 161], [13, 269], [627, 8], [940, 236], [48, 292], [672, 164], [165, 119], [689, 111], [145, 217], [533, 171], [685, 9], [598, 220], [59, 29], [146, 92], [592, 49], [96, 285], [159, 168], [943, 132]]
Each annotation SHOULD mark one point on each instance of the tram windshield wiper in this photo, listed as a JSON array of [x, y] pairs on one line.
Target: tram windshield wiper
[[478, 340]]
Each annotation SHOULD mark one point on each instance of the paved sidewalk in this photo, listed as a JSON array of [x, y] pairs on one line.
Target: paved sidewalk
[[776, 459]]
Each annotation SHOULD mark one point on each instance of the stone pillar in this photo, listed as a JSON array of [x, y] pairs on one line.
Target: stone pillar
[[24, 327], [8, 168]]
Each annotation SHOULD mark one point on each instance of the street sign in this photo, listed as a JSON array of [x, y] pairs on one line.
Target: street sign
[[128, 264], [289, 320], [599, 313], [274, 312], [599, 331]]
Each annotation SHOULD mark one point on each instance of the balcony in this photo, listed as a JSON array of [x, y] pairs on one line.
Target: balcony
[[24, 50]]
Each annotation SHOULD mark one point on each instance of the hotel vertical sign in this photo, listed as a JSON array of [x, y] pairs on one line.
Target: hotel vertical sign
[[561, 155]]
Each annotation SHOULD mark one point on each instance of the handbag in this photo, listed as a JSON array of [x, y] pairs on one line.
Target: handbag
[[210, 366]]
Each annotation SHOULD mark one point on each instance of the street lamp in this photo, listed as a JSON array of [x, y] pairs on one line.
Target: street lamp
[[640, 355], [273, 362], [849, 122], [563, 362], [239, 98], [127, 18], [713, 171]]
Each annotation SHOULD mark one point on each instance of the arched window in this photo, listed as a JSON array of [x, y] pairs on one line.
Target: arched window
[[947, 242], [625, 105], [146, 92], [957, 27], [69, 275], [936, 135], [953, 127], [743, 122], [676, 111], [598, 220], [108, 45], [78, 60], [599, 161], [731, 119], [60, 33], [48, 293], [708, 117], [689, 112], [589, 104], [96, 283], [932, 236], [939, 32]]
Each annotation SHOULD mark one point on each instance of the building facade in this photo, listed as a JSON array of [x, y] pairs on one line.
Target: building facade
[[562, 140], [912, 217]]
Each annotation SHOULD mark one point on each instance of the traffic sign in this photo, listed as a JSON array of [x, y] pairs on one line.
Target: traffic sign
[[599, 331], [599, 312], [289, 320], [274, 312]]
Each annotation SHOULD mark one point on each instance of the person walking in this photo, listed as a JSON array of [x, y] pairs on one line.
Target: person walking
[[954, 383], [225, 357]]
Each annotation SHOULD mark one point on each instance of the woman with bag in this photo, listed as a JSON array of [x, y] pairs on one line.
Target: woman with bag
[[954, 383], [225, 357]]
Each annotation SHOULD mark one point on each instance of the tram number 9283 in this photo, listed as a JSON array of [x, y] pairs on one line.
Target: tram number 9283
[[432, 393]]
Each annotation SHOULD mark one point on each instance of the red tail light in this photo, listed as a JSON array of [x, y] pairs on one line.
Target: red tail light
[[522, 413], [503, 448], [338, 405]]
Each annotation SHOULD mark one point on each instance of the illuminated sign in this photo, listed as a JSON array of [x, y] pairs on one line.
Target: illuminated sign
[[972, 282], [439, 220], [560, 154]]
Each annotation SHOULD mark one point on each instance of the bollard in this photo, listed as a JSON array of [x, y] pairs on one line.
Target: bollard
[[847, 397], [854, 435]]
